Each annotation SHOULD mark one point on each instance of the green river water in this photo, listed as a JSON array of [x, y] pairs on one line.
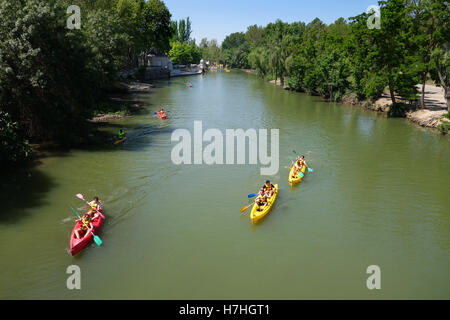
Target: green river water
[[379, 195]]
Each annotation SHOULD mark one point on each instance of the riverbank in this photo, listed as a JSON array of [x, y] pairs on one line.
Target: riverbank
[[432, 116], [119, 104]]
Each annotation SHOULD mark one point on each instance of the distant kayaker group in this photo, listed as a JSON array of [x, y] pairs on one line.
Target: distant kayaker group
[[267, 195]]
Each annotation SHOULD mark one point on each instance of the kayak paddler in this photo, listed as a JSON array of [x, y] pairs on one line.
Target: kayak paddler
[[302, 162], [86, 226], [268, 188], [295, 171], [121, 134], [94, 206], [261, 200]]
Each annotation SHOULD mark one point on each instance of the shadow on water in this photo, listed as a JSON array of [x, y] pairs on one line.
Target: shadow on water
[[103, 135], [102, 140], [25, 188], [22, 190]]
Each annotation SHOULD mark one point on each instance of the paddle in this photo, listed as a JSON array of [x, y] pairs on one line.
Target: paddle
[[97, 239], [243, 209], [309, 169], [80, 196], [251, 195]]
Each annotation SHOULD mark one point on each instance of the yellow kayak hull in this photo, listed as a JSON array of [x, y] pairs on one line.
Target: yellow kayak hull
[[256, 215], [297, 178], [117, 142]]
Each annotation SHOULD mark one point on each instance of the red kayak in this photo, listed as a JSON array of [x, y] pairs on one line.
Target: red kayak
[[76, 245], [162, 115]]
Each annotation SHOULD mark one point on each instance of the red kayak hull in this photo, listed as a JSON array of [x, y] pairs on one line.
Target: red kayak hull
[[162, 115], [76, 245]]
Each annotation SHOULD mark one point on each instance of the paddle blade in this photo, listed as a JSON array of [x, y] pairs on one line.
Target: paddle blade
[[301, 174], [101, 215], [251, 195], [294, 151], [245, 208], [80, 196], [97, 240], [310, 170]]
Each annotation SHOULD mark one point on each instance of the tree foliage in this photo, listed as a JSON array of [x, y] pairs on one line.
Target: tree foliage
[[13, 147], [51, 77], [347, 56], [183, 53]]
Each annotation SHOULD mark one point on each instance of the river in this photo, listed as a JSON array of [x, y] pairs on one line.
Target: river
[[379, 195]]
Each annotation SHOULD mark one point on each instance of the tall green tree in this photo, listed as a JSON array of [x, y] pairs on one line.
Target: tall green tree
[[440, 53], [156, 26], [183, 53], [383, 54], [181, 30]]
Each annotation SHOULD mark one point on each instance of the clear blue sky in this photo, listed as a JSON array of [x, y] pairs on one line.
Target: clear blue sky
[[215, 19]]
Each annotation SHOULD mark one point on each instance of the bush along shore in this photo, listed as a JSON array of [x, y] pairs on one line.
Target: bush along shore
[[119, 103]]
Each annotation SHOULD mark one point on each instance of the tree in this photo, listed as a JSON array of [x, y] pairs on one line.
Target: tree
[[210, 50], [235, 50], [107, 40], [255, 36], [440, 53], [13, 146], [181, 30], [381, 56], [155, 26], [183, 53], [47, 76]]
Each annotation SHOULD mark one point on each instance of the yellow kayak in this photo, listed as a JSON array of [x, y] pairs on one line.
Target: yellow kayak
[[258, 215], [117, 142], [226, 70], [297, 178]]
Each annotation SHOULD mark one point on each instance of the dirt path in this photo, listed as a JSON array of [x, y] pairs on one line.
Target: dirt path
[[435, 107]]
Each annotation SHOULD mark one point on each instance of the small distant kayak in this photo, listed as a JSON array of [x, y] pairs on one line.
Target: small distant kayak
[[248, 71], [258, 215], [117, 142], [298, 177], [226, 70], [76, 245], [162, 115]]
